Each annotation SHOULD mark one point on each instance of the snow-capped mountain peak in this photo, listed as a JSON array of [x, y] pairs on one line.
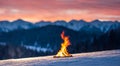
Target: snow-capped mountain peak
[[104, 26]]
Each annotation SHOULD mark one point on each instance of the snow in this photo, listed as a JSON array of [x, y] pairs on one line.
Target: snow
[[101, 58], [42, 24], [3, 43], [38, 48]]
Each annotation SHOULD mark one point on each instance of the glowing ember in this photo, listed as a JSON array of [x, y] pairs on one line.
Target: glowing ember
[[63, 51]]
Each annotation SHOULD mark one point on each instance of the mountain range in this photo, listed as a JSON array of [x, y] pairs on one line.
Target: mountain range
[[104, 26]]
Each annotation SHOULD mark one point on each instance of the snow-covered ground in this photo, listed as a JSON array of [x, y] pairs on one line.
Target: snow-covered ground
[[102, 58]]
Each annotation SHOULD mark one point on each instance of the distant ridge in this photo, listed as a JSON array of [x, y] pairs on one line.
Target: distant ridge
[[6, 26]]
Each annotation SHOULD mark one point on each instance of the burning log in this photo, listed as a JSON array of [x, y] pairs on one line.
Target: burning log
[[63, 52]]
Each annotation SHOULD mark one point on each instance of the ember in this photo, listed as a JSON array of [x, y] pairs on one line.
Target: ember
[[63, 51]]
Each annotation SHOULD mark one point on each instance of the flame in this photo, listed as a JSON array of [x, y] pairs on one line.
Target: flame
[[63, 51]]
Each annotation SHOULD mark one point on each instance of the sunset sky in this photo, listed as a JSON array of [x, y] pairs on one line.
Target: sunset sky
[[52, 10]]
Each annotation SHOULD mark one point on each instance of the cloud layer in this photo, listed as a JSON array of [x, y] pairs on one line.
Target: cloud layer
[[35, 10]]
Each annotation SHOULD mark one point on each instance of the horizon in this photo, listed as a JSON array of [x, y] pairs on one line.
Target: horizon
[[62, 20], [38, 10]]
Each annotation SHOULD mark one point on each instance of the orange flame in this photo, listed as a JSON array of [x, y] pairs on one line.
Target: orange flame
[[63, 51]]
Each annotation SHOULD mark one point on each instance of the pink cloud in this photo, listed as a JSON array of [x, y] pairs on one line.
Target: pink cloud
[[49, 9]]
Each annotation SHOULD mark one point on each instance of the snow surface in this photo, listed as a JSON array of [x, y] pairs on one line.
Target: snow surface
[[102, 58]]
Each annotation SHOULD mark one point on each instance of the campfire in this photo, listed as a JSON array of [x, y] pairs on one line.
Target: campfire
[[63, 52]]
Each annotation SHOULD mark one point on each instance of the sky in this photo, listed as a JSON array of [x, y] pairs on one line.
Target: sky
[[52, 10]]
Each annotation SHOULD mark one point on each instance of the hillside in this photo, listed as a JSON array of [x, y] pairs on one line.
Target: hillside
[[101, 58], [22, 39]]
